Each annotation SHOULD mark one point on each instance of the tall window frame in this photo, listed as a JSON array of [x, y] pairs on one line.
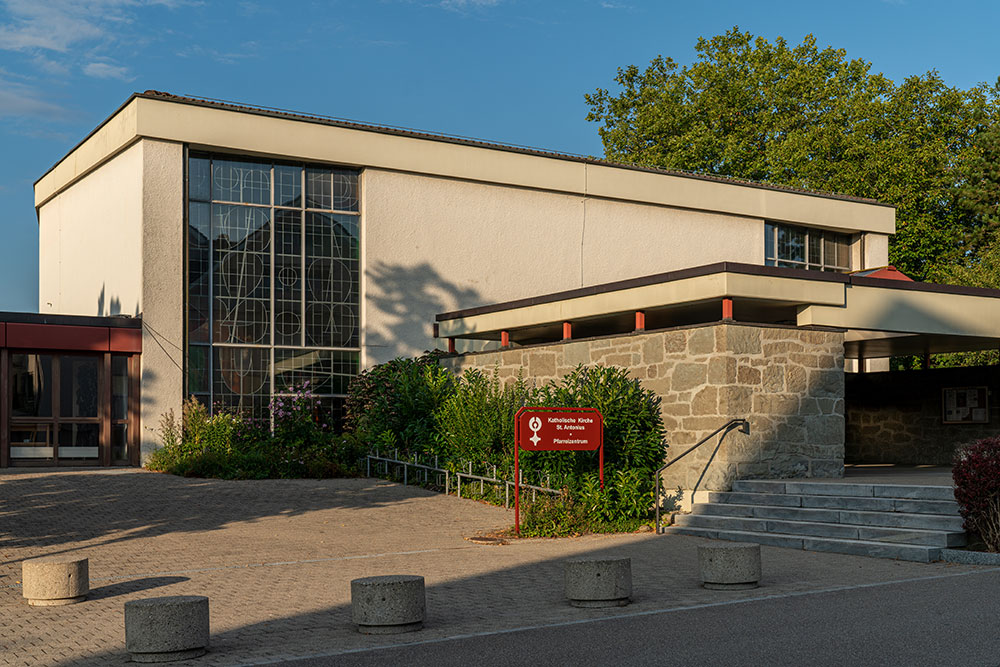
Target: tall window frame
[[794, 247], [298, 224]]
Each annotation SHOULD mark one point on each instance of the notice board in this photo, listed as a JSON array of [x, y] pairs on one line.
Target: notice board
[[965, 405]]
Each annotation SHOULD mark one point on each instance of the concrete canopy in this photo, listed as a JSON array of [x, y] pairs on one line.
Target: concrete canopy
[[882, 317]]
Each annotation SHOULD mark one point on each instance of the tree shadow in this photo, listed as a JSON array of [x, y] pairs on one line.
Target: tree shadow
[[68, 511], [401, 304], [527, 595]]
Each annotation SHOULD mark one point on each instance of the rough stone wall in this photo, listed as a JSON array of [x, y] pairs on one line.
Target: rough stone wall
[[788, 382], [897, 417]]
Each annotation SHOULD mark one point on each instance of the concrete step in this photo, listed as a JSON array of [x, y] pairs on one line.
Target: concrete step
[[942, 522], [800, 487], [857, 503], [917, 553], [838, 531]]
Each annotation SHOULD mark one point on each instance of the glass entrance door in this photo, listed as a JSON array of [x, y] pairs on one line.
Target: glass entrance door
[[56, 411]]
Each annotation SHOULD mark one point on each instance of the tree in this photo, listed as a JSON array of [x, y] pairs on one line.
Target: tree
[[979, 196], [809, 117]]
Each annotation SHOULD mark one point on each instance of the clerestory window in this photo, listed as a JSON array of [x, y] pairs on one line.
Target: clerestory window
[[805, 248]]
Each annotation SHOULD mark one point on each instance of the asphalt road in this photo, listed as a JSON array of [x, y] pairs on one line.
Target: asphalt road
[[946, 619]]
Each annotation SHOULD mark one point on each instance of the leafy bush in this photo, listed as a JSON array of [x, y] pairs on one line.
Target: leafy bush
[[634, 437], [393, 404], [476, 423], [977, 489], [233, 446]]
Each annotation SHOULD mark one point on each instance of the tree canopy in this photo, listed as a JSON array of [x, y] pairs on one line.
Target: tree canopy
[[807, 117]]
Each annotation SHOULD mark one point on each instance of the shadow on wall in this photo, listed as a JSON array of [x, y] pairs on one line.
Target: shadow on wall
[[401, 304], [796, 430], [114, 304], [898, 417]]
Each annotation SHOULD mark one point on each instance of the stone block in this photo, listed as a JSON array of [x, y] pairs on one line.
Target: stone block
[[574, 354], [701, 341], [688, 376], [652, 350], [774, 379], [168, 628], [826, 383], [512, 358], [388, 604], [541, 364], [722, 370], [706, 402], [748, 375], [674, 342], [827, 430], [53, 581], [809, 406], [598, 582], [781, 347], [729, 566], [742, 340], [795, 379], [736, 401], [783, 466]]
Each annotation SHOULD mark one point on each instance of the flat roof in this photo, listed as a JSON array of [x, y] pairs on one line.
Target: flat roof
[[883, 317], [114, 321], [454, 139], [720, 267], [259, 131]]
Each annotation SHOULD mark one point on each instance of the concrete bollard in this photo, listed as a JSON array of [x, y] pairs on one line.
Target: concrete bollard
[[729, 566], [168, 628], [55, 580], [598, 582], [388, 605]]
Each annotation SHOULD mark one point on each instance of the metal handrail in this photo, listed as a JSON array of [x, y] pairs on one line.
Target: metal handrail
[[742, 424]]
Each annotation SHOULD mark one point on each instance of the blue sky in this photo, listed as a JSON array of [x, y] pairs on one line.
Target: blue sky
[[504, 70]]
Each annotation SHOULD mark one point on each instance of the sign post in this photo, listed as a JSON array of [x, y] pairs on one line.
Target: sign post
[[555, 429]]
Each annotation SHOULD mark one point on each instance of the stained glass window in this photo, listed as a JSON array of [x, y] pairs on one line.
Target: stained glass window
[[273, 281]]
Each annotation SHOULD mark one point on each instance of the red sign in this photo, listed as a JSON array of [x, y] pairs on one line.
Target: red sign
[[555, 429], [573, 429]]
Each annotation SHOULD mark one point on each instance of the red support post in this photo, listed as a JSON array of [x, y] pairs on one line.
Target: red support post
[[504, 339], [727, 309], [451, 346], [567, 331], [640, 320]]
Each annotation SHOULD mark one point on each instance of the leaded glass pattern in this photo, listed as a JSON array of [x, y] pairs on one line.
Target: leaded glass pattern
[[272, 281]]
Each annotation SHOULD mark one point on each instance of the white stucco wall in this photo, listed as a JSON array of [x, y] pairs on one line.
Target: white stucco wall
[[162, 285], [89, 242], [433, 245], [876, 251]]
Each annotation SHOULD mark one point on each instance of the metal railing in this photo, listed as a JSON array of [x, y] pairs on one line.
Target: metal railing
[[445, 475], [742, 424]]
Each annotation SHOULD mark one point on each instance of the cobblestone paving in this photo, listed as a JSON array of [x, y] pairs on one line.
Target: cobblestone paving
[[276, 558]]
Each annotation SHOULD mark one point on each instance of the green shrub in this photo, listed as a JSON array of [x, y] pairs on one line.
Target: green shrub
[[476, 423], [393, 404], [233, 446]]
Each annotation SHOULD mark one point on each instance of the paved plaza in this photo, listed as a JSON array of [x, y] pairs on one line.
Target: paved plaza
[[276, 557]]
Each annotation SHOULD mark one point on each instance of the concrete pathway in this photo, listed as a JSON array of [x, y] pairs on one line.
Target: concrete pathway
[[276, 558]]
